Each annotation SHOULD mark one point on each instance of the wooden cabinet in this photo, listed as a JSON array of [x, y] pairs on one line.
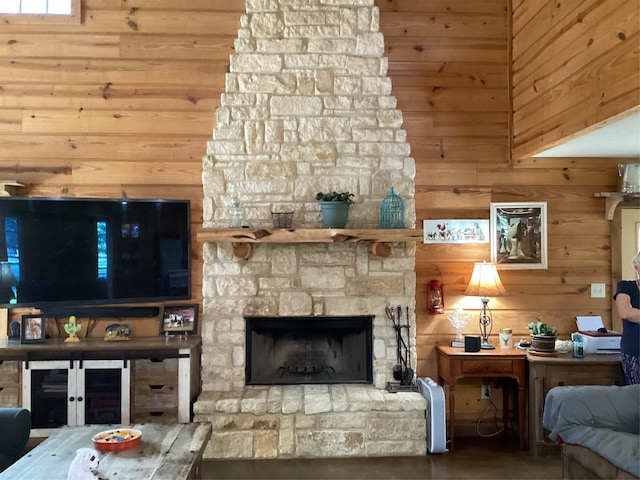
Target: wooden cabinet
[[153, 379], [73, 392], [455, 363], [548, 372]]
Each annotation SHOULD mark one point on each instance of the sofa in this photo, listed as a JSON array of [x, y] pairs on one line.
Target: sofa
[[15, 425], [599, 429]]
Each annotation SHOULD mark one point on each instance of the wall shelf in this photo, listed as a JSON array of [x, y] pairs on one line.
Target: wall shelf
[[243, 238], [613, 199]]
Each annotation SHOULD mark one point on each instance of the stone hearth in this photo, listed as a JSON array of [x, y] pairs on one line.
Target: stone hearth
[[313, 421], [307, 107]]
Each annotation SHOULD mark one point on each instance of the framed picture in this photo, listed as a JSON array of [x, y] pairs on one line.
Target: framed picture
[[455, 231], [519, 235], [179, 319], [32, 329]]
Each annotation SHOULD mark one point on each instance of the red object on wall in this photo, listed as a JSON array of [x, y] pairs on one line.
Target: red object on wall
[[435, 297]]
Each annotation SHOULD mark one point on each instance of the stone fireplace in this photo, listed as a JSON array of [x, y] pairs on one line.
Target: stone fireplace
[[307, 107]]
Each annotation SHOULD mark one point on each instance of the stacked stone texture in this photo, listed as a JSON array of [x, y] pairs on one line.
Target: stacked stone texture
[[307, 107], [313, 421]]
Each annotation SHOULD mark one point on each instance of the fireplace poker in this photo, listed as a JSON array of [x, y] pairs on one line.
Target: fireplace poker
[[397, 368]]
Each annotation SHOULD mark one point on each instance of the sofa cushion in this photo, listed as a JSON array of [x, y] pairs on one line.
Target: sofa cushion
[[603, 419]]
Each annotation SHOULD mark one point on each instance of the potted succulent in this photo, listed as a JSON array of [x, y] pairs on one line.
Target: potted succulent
[[335, 208], [543, 337]]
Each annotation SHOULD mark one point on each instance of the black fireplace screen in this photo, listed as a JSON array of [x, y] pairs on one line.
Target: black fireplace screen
[[300, 350]]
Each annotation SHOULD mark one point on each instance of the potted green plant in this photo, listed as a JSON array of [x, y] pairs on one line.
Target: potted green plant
[[335, 208], [543, 336]]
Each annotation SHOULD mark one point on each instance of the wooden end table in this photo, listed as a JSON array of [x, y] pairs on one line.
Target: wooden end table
[[455, 363], [562, 369], [166, 451]]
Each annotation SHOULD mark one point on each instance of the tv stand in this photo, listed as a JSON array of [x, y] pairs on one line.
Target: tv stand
[[100, 312], [146, 379]]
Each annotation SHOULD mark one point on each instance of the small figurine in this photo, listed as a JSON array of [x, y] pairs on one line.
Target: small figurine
[[117, 332], [71, 327], [85, 465]]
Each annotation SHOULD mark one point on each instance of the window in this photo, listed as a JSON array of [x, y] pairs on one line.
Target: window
[[39, 11], [51, 7]]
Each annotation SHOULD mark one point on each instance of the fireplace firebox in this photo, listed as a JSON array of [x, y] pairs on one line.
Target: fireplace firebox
[[308, 350]]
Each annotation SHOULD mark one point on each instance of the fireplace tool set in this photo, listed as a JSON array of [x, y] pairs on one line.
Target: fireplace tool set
[[402, 371]]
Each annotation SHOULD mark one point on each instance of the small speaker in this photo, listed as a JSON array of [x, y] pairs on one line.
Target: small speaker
[[472, 343]]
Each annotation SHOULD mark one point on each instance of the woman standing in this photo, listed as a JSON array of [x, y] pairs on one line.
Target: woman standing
[[627, 299]]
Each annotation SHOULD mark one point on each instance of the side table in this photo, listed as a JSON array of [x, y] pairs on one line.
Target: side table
[[562, 369], [455, 363]]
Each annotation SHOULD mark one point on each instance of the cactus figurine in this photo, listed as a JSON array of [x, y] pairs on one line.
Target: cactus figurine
[[72, 328]]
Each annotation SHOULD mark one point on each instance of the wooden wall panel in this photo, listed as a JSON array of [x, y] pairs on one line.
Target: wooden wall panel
[[131, 117], [575, 65], [119, 105], [463, 164], [114, 72]]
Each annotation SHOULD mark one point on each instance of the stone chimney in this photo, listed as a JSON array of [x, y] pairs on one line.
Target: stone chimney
[[307, 107]]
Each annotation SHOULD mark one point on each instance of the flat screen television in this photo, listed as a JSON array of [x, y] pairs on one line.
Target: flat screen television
[[59, 252]]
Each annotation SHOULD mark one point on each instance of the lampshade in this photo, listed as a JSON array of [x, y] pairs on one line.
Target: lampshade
[[485, 281]]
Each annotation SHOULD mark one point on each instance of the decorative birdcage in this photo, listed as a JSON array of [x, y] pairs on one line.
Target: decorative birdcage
[[392, 211]]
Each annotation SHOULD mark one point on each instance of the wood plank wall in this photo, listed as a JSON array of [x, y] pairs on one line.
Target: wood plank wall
[[575, 65], [449, 63], [119, 105], [123, 103]]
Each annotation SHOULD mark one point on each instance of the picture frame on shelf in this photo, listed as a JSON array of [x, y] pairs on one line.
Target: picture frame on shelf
[[519, 235], [179, 319], [32, 329]]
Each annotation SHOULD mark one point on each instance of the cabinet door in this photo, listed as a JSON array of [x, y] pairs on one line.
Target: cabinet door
[[65, 392], [102, 389], [49, 393]]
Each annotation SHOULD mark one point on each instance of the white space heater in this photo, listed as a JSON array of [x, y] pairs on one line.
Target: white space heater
[[435, 414]]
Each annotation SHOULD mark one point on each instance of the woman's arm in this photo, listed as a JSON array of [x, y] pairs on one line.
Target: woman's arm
[[625, 310]]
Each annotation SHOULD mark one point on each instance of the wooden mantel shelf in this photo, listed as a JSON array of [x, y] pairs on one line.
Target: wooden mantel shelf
[[242, 238], [613, 199]]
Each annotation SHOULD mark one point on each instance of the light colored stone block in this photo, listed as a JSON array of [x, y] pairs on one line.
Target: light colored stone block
[[396, 449], [274, 399], [286, 439], [265, 444], [317, 403], [292, 401], [295, 303], [329, 444], [230, 445]]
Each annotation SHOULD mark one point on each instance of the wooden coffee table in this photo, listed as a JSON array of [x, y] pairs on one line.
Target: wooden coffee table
[[167, 451]]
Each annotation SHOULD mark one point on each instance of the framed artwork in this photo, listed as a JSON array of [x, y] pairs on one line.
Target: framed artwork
[[179, 319], [519, 235], [32, 329], [455, 231]]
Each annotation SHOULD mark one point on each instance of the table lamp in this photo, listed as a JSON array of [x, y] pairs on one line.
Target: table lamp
[[485, 283]]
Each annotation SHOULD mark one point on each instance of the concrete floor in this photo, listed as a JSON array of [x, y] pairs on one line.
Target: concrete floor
[[473, 458]]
